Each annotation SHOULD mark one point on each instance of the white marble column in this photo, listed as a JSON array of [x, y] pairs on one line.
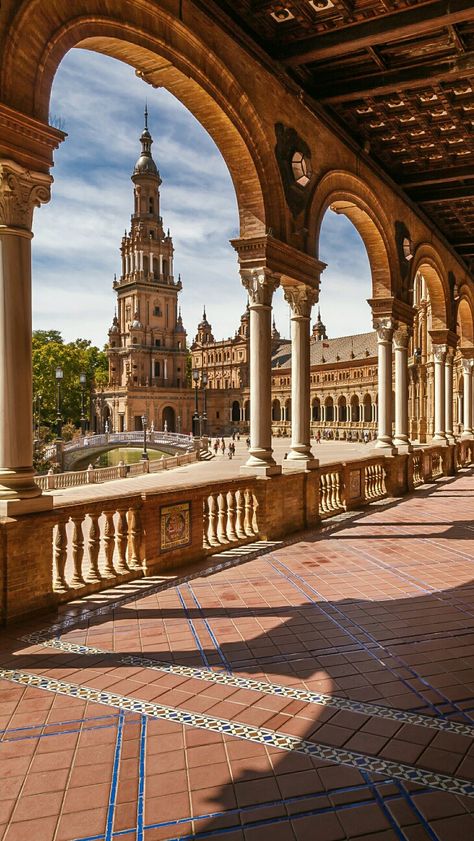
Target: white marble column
[[301, 299], [20, 192], [260, 285], [401, 338], [448, 394], [467, 401], [384, 329], [439, 357]]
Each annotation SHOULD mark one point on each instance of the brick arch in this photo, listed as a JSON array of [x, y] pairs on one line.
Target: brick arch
[[350, 195], [427, 262], [166, 53], [465, 318]]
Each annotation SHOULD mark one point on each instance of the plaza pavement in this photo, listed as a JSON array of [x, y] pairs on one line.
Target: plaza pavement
[[321, 691], [219, 467]]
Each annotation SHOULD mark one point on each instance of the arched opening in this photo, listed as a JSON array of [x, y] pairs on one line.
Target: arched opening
[[355, 409], [235, 411], [342, 410], [367, 403], [276, 410], [247, 410], [169, 419], [316, 409], [288, 410], [329, 409]]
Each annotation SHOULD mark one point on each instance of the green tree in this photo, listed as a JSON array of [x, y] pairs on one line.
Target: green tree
[[49, 352]]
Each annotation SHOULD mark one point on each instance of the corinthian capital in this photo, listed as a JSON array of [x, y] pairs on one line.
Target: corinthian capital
[[384, 328], [260, 285], [402, 335], [20, 192], [301, 299], [439, 353], [467, 365]]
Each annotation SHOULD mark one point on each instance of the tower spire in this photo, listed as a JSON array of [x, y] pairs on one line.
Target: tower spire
[[146, 115]]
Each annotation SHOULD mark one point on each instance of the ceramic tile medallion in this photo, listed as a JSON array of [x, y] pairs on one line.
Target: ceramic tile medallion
[[175, 526], [354, 484]]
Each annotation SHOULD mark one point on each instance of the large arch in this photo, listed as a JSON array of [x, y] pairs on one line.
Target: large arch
[[165, 53], [345, 193], [427, 262], [465, 318]]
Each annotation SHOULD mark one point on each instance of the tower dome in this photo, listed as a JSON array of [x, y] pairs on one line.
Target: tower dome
[[145, 164], [319, 329]]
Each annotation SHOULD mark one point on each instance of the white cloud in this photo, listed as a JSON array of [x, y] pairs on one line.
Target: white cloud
[[77, 236]]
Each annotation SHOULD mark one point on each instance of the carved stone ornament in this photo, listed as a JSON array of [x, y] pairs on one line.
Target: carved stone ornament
[[20, 192], [384, 328], [439, 353], [294, 162], [260, 285], [467, 365], [401, 336], [301, 299]]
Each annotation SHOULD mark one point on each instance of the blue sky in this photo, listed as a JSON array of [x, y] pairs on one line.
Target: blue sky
[[99, 102]]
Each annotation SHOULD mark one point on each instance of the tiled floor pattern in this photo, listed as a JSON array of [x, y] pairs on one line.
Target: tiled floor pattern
[[324, 690]]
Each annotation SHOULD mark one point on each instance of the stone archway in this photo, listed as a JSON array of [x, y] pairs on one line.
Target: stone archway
[[169, 419], [235, 414]]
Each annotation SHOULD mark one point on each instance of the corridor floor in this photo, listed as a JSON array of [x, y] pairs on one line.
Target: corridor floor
[[321, 691]]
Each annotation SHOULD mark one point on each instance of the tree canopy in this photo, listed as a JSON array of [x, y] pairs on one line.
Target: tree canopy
[[50, 351]]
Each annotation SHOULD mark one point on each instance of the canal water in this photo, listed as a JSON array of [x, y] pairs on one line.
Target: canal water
[[129, 455]]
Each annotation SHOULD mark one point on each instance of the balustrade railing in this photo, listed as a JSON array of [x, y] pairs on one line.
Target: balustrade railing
[[98, 547], [229, 517], [82, 547], [97, 475]]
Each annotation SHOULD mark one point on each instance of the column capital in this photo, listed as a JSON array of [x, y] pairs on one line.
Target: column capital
[[20, 192], [384, 328], [467, 364], [401, 336], [279, 257], [439, 352], [260, 284], [301, 299]]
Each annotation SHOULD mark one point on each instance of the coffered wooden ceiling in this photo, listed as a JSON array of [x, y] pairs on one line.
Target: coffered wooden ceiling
[[399, 76]]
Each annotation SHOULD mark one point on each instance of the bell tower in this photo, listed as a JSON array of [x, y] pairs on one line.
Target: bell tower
[[147, 341]]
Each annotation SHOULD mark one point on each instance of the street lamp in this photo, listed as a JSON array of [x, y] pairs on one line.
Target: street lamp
[[204, 381], [144, 424], [196, 407], [82, 380], [59, 377]]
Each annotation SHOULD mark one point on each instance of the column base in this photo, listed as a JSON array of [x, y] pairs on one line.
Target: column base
[[385, 447], [440, 440], [15, 507], [261, 469], [465, 436], [305, 463], [403, 445]]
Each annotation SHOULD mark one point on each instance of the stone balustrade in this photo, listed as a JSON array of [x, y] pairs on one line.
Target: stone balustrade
[[81, 548], [97, 475]]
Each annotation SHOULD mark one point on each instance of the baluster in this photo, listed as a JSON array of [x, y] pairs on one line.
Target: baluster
[[93, 545], [371, 481], [121, 533], [222, 519], [109, 544], [134, 538], [213, 520], [77, 552], [248, 513], [205, 524], [337, 490], [322, 493], [239, 520], [254, 516], [366, 483], [59, 558], [333, 501], [231, 533]]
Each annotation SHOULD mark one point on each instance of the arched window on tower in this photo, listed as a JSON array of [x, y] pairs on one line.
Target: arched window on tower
[[151, 205]]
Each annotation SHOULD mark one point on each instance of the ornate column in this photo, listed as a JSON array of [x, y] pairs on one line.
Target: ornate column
[[467, 401], [260, 284], [20, 192], [401, 338], [384, 329], [448, 393], [301, 299], [439, 357]]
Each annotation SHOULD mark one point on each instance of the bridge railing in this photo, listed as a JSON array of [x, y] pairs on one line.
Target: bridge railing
[[173, 439], [82, 547]]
